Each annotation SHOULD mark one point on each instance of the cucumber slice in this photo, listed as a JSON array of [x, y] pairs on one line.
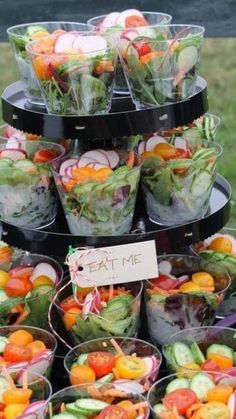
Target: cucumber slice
[[71, 408], [159, 408], [4, 385], [65, 416], [182, 354], [6, 161], [89, 406], [33, 29], [201, 183], [177, 384], [3, 342], [3, 296], [187, 58], [200, 384], [198, 356], [24, 164], [106, 378], [82, 359], [219, 349]]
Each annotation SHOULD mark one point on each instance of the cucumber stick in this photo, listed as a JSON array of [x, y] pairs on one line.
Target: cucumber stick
[[198, 356]]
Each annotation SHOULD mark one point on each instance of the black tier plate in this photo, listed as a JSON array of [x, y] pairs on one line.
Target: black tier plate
[[123, 120], [56, 239]]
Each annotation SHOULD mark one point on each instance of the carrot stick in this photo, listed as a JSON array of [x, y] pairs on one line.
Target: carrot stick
[[175, 412], [192, 409], [94, 392], [113, 392], [111, 292], [63, 407], [8, 377], [21, 317], [117, 347], [137, 406], [130, 162]]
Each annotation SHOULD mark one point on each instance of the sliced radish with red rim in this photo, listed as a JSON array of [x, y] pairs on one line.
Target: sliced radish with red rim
[[13, 154], [45, 269], [67, 163], [153, 141], [64, 42]]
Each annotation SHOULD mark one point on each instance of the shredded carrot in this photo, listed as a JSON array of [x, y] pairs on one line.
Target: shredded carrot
[[137, 406], [117, 347], [111, 292], [21, 317], [130, 162], [192, 409], [175, 412], [63, 408], [94, 392], [113, 392]]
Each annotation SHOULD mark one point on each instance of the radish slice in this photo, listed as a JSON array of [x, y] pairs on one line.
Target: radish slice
[[153, 141], [150, 364], [91, 44], [232, 406], [10, 132], [68, 171], [113, 158], [181, 143], [21, 271], [110, 20], [141, 147], [13, 154], [97, 156], [44, 268], [17, 366], [67, 163], [164, 267], [182, 279], [123, 15], [88, 305], [33, 408], [64, 42], [133, 386], [84, 161], [96, 165], [13, 143], [39, 364], [129, 34]]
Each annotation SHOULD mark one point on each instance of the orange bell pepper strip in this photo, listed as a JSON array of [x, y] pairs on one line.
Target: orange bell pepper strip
[[144, 59]]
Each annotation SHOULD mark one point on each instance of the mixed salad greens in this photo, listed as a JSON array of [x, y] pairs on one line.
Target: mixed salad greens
[[75, 71], [26, 289], [177, 178], [184, 295], [98, 191], [100, 312], [126, 361], [198, 395], [28, 195], [101, 401], [202, 348], [160, 63]]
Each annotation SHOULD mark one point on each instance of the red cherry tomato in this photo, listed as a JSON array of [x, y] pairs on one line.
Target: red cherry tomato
[[101, 362], [44, 156], [16, 353], [142, 47], [68, 303], [209, 366], [18, 287], [135, 21], [113, 412], [2, 406], [182, 399], [165, 282]]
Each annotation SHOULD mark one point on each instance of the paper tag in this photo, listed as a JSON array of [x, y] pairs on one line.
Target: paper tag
[[114, 264]]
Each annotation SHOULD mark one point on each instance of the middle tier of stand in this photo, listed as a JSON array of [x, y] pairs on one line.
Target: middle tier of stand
[[56, 239]]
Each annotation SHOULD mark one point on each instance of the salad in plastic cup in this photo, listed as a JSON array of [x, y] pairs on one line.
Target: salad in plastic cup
[[78, 77], [25, 347], [221, 248], [98, 191], [23, 395], [115, 23], [20, 35], [130, 361], [208, 348], [161, 67], [177, 179], [100, 401], [28, 195], [193, 395], [90, 313], [27, 284], [186, 294]]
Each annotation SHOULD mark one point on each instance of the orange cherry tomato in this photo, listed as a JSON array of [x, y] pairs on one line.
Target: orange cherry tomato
[[18, 287], [220, 393], [203, 279], [44, 156], [221, 244], [16, 353], [135, 21], [222, 361], [70, 316], [16, 395], [102, 363], [21, 337], [82, 374], [42, 280], [36, 347], [68, 303], [165, 150]]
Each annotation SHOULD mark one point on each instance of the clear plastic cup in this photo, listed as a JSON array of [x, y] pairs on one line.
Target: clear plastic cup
[[169, 314], [70, 395], [113, 32], [19, 36], [28, 196], [161, 68], [30, 309], [98, 200], [42, 361], [129, 346], [78, 82], [177, 188], [204, 337], [97, 324]]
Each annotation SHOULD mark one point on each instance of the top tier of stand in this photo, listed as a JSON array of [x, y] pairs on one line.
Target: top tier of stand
[[122, 120]]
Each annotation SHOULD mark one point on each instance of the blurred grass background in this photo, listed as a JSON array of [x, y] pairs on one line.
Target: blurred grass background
[[218, 67]]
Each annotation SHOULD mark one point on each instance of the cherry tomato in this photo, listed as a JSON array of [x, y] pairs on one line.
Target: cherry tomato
[[81, 374], [17, 395], [130, 367], [44, 156], [16, 353], [68, 303], [21, 337], [18, 287], [165, 150], [142, 47], [182, 399], [101, 362], [183, 154], [221, 244], [209, 366], [164, 281], [2, 406], [113, 412]]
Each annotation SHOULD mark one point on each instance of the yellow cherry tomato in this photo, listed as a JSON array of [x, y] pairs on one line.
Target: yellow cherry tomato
[[212, 411], [4, 276], [219, 394], [221, 244], [130, 367], [42, 280], [21, 337], [187, 371], [81, 374], [84, 291], [203, 279], [189, 287], [165, 150], [16, 395], [14, 410]]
